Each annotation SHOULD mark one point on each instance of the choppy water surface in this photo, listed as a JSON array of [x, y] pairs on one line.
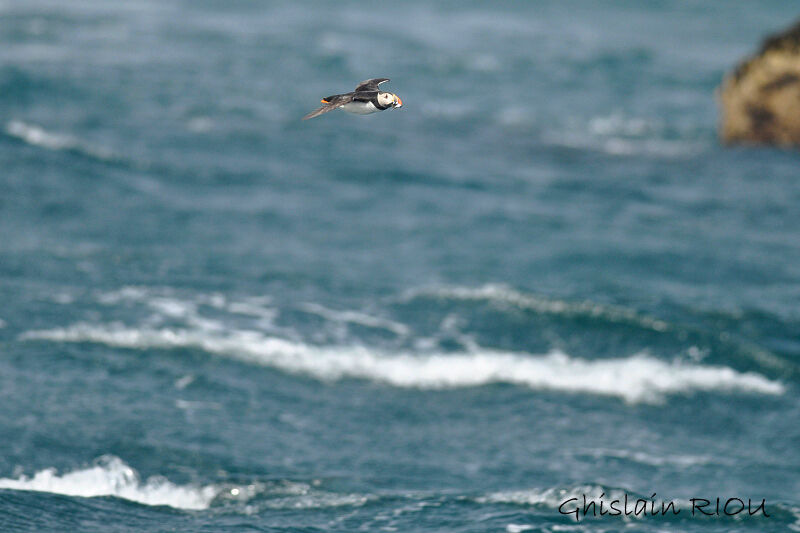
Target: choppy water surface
[[541, 279]]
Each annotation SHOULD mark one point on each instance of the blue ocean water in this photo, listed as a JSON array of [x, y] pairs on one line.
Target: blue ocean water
[[541, 280]]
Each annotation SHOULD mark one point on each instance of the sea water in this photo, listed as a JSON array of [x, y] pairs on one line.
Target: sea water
[[538, 293]]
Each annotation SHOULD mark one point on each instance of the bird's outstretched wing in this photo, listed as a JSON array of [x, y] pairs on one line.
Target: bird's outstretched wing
[[330, 103], [371, 85]]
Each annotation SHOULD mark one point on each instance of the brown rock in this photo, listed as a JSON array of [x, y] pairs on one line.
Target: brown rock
[[760, 100]]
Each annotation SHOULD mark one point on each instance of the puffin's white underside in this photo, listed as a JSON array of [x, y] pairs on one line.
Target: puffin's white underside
[[360, 108]]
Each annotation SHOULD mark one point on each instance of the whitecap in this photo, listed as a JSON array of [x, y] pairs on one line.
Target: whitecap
[[185, 381], [38, 136], [619, 135], [110, 476], [618, 125], [168, 306], [640, 378], [318, 500], [651, 459], [562, 498], [502, 295], [550, 497], [518, 528], [354, 317], [126, 294], [625, 146]]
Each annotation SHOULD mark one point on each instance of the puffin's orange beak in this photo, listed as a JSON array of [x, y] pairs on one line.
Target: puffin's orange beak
[[397, 101]]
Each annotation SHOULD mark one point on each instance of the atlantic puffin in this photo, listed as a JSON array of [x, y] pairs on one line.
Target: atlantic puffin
[[366, 99]]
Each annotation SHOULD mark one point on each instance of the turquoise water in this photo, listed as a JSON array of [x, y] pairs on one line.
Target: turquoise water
[[540, 280]]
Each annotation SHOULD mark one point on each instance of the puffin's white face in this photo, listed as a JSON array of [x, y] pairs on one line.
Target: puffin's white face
[[386, 99]]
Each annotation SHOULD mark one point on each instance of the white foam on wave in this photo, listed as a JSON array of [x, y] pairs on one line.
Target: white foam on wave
[[318, 500], [518, 528], [636, 379], [353, 317], [550, 497], [620, 135], [678, 460], [567, 499], [616, 124], [110, 476], [166, 305], [37, 136], [501, 295], [620, 146]]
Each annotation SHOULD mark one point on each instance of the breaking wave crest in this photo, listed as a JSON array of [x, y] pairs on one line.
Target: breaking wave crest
[[640, 378], [110, 476], [37, 136], [550, 497], [503, 296]]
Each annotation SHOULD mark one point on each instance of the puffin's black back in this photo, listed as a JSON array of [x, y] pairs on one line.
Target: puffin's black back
[[370, 85], [332, 97]]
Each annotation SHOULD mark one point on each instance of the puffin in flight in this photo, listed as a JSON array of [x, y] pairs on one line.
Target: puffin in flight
[[366, 99]]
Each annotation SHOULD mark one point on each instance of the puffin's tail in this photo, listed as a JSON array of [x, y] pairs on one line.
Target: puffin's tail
[[317, 112], [329, 103]]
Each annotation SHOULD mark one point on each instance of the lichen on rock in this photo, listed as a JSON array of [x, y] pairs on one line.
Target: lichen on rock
[[760, 100]]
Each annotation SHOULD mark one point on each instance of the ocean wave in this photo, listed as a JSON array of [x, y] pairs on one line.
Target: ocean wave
[[353, 317], [623, 146], [567, 499], [550, 497], [620, 135], [164, 304], [503, 296], [110, 476], [650, 459], [640, 378], [38, 136], [287, 494], [318, 500]]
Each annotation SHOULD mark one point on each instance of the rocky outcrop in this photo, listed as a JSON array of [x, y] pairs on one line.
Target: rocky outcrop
[[760, 100]]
